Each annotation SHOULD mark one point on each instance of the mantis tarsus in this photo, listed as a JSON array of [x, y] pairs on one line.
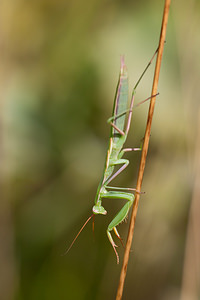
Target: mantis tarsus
[[118, 136]]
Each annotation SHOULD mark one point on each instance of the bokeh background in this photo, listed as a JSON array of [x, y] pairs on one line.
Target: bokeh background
[[59, 66]]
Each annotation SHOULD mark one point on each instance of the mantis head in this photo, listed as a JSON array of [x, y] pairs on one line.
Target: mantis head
[[99, 210]]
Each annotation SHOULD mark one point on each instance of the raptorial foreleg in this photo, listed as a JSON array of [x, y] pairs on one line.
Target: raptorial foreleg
[[120, 216]]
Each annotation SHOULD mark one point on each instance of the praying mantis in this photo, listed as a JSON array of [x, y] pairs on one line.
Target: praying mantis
[[118, 135]]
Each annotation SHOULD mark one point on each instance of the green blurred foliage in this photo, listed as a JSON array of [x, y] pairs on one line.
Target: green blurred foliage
[[59, 70]]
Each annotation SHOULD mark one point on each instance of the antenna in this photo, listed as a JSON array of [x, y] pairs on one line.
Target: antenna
[[78, 234]]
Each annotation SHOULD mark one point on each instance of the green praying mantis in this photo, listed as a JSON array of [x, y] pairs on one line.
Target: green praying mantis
[[118, 135]]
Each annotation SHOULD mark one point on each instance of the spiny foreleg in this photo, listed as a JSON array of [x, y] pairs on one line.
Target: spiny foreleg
[[120, 216]]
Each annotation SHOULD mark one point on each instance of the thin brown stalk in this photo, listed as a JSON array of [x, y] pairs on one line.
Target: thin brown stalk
[[144, 150]]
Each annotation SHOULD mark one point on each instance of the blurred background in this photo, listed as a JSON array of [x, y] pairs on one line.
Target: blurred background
[[59, 66]]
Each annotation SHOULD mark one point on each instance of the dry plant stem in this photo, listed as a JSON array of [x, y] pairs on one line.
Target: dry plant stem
[[144, 151]]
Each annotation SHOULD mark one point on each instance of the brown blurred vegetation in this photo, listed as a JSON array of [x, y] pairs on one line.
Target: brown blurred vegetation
[[59, 69]]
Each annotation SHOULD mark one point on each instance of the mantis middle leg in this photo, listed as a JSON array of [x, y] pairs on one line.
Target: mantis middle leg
[[124, 162]]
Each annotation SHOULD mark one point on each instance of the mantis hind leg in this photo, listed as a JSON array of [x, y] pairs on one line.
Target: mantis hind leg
[[119, 217]]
